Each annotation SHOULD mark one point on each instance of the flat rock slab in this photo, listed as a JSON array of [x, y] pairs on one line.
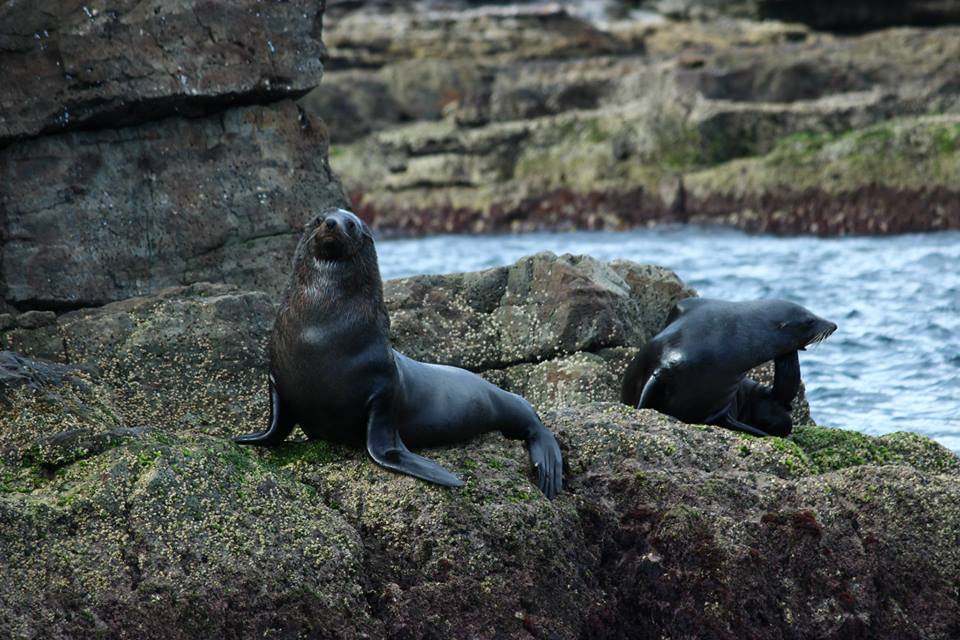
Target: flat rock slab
[[375, 36], [87, 64]]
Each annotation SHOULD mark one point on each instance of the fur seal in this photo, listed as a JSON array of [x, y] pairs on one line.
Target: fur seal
[[695, 368], [334, 372]]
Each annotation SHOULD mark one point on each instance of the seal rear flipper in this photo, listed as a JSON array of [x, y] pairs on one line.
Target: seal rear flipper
[[387, 449], [281, 424]]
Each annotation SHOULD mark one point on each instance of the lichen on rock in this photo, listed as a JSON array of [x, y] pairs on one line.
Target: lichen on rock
[[125, 509]]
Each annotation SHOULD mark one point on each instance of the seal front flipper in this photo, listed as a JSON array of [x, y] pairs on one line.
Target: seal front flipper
[[544, 452], [730, 422], [387, 449], [281, 423], [786, 378]]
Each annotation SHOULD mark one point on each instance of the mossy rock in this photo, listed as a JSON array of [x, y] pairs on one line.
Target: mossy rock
[[833, 449]]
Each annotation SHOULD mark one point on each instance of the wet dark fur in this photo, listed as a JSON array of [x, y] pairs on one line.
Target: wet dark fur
[[695, 368], [334, 372]]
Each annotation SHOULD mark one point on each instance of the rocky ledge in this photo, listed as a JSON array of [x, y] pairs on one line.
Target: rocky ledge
[[640, 119], [125, 510]]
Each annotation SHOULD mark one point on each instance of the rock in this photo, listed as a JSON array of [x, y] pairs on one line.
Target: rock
[[680, 523], [164, 203], [157, 532], [847, 15], [617, 166], [609, 141], [187, 358], [360, 101], [194, 357], [356, 102], [123, 501], [41, 403], [541, 307], [557, 330], [895, 177], [580, 378], [36, 319], [374, 38], [858, 15], [83, 66], [907, 60], [159, 139], [178, 538]]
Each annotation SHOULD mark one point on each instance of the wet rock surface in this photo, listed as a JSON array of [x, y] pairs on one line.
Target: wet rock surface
[[512, 138]]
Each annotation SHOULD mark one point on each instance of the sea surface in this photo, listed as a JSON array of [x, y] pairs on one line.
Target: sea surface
[[894, 363]]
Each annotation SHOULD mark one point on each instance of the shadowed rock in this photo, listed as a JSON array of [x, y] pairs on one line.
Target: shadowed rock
[[97, 216]]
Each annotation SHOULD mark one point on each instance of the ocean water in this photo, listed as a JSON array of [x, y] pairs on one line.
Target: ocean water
[[894, 362]]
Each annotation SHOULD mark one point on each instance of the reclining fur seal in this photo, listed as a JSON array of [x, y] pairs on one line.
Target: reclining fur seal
[[333, 370], [695, 368]]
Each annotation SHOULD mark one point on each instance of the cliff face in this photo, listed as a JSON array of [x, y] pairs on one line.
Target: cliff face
[[144, 146], [125, 510], [637, 120]]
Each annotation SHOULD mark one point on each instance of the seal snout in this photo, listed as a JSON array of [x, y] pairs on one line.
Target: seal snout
[[337, 234], [823, 330]]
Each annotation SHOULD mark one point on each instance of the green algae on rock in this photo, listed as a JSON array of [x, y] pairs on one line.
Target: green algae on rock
[[156, 534]]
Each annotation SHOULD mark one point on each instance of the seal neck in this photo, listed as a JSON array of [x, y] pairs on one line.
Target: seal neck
[[350, 287]]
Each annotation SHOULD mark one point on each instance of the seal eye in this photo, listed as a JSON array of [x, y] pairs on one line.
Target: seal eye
[[351, 225]]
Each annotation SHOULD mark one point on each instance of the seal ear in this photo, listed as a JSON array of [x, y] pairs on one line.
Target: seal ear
[[365, 230], [782, 324]]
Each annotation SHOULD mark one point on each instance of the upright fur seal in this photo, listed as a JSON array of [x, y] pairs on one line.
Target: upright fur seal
[[333, 371], [695, 368]]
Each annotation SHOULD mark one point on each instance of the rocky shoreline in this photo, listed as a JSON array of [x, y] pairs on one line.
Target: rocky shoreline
[[155, 170], [532, 117], [126, 510]]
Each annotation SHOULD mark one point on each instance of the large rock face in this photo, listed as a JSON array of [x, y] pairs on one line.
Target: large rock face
[[663, 530], [170, 153], [105, 215], [556, 329], [77, 64], [840, 15]]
